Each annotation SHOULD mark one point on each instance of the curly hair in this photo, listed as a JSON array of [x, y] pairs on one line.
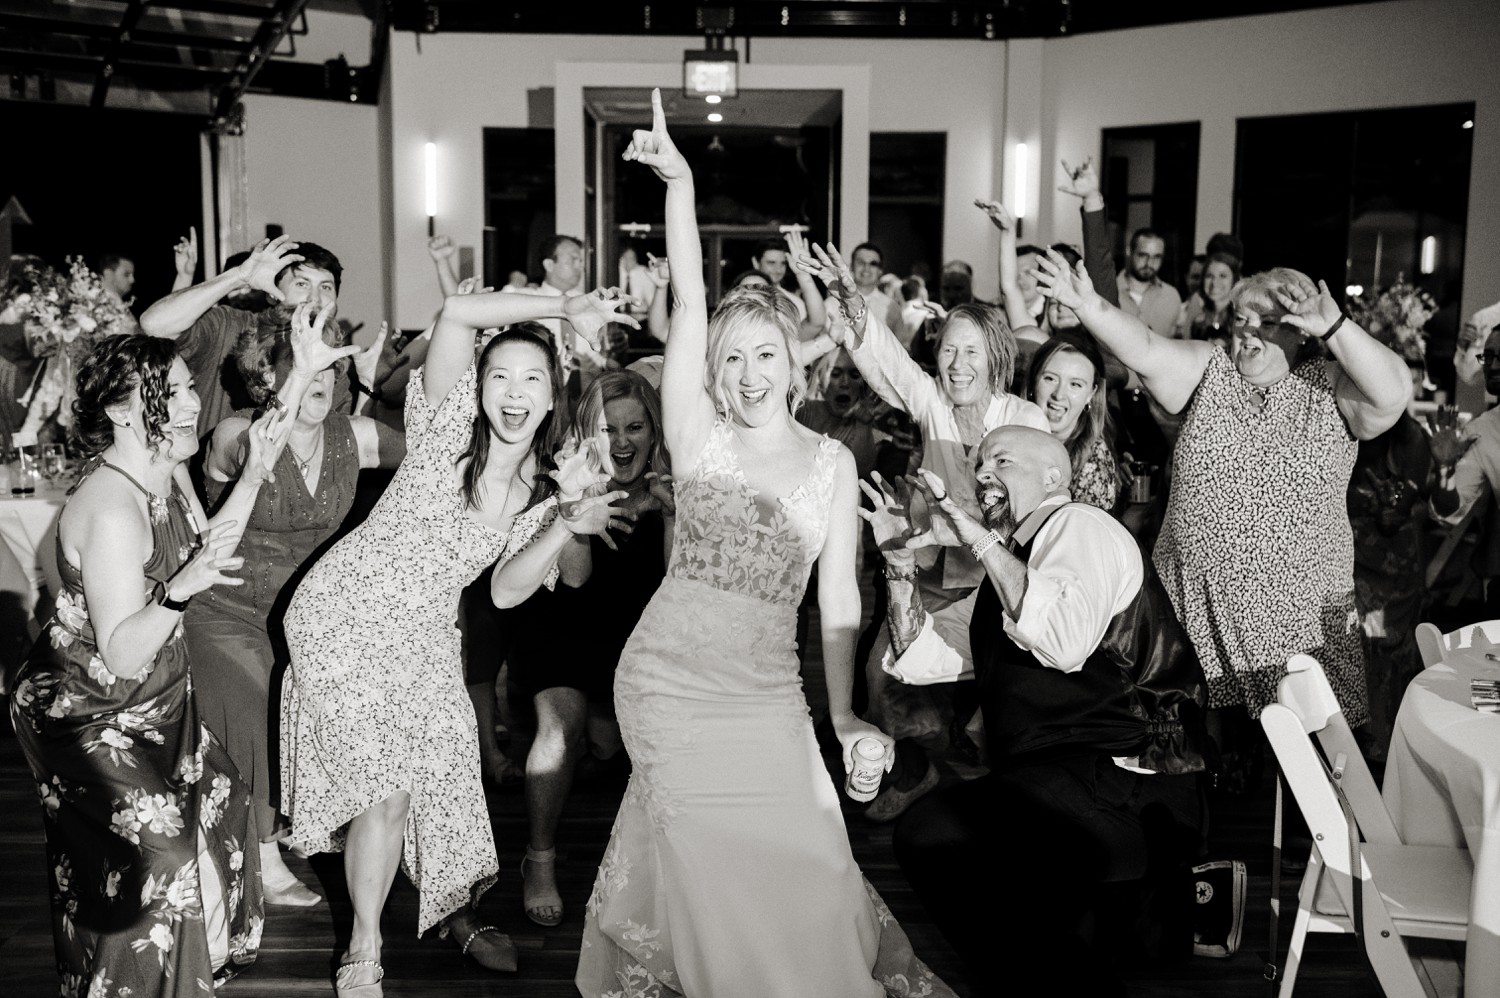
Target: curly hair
[[113, 370], [738, 308], [266, 349], [544, 442]]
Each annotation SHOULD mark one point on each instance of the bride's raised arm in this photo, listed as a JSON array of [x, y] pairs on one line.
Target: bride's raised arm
[[687, 410]]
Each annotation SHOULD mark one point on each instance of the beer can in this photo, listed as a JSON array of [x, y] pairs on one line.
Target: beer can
[[869, 766]]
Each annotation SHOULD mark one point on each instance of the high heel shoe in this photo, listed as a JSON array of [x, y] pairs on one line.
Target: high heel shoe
[[538, 903]]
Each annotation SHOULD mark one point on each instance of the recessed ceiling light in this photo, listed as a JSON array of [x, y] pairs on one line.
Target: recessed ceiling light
[[715, 117], [1469, 123], [713, 98]]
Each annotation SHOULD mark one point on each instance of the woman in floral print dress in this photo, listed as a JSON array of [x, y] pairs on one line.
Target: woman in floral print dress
[[155, 878]]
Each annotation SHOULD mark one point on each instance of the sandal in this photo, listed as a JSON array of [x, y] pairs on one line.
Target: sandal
[[537, 902], [343, 983], [499, 957]]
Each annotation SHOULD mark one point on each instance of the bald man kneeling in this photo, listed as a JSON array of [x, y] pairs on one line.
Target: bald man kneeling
[[1092, 701]]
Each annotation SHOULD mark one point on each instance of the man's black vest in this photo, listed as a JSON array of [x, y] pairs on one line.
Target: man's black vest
[[1140, 693]]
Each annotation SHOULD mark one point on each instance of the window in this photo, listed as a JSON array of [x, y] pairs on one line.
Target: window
[[519, 202], [906, 201], [1358, 197], [1149, 176]]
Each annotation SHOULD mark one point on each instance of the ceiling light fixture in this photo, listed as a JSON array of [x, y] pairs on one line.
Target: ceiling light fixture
[[715, 117], [713, 98]]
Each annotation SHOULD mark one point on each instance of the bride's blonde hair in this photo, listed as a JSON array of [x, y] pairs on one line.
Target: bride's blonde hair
[[738, 309]]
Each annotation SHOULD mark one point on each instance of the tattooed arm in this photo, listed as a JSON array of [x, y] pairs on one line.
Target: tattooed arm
[[904, 614]]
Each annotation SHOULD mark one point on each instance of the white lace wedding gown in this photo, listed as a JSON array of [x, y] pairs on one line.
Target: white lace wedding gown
[[728, 872]]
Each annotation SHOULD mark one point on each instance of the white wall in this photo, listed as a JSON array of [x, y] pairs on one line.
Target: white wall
[[312, 169], [1410, 52], [460, 83]]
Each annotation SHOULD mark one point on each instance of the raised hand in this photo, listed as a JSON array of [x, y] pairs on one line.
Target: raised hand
[[796, 245], [268, 259], [367, 361], [186, 255], [655, 148], [266, 440], [582, 465], [597, 515], [441, 247], [1064, 285], [589, 314], [310, 353], [206, 568], [947, 512], [660, 490], [1310, 309], [1449, 441], [998, 214], [658, 270], [1083, 182], [889, 517]]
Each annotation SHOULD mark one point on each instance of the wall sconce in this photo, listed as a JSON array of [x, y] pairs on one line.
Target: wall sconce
[[1019, 188], [429, 154], [1429, 254]]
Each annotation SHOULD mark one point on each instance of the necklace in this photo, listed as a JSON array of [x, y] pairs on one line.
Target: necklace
[[304, 464], [1255, 397]]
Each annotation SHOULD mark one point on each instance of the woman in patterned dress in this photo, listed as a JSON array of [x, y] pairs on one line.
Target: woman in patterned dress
[[150, 834], [1256, 550], [379, 752], [729, 871], [235, 632], [1067, 382]]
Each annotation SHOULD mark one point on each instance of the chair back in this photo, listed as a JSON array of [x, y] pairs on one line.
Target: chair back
[[1305, 691], [1434, 645]]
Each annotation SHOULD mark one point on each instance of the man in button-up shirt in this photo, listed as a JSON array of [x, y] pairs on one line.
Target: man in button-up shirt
[[1142, 291]]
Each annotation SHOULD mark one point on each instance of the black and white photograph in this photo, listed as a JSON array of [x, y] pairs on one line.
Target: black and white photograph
[[761, 499]]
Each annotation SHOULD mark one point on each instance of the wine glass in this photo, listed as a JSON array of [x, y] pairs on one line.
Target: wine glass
[[54, 463]]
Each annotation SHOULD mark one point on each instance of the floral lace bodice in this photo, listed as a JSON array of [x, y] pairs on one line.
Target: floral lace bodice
[[735, 539]]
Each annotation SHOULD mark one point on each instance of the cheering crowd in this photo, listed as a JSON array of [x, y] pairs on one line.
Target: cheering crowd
[[231, 672]]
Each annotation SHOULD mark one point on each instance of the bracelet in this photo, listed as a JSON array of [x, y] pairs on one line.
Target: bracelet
[[274, 402], [984, 543], [1333, 328], [856, 319], [896, 573]]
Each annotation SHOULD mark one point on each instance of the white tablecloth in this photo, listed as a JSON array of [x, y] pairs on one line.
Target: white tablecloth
[[1442, 787], [28, 565]]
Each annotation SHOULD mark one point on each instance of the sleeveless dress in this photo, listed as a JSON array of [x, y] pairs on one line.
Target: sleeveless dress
[[374, 700], [728, 871], [1255, 550], [234, 632], [151, 843]]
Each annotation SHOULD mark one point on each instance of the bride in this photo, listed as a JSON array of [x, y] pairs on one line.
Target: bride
[[729, 870]]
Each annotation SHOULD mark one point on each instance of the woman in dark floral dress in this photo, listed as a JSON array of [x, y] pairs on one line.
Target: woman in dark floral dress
[[154, 875]]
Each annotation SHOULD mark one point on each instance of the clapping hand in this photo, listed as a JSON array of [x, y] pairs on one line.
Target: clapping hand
[[1066, 286], [1449, 442], [270, 258], [310, 354], [658, 270], [266, 439], [948, 513], [655, 148], [1083, 183], [186, 254], [1310, 309], [589, 314]]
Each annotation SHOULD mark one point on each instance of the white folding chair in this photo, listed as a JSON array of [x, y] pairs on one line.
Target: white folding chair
[[1400, 890], [1434, 645]]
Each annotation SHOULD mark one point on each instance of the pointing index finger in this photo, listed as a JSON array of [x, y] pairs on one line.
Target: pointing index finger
[[658, 116]]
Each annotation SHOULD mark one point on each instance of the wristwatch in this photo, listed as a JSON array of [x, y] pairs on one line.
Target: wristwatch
[[160, 597]]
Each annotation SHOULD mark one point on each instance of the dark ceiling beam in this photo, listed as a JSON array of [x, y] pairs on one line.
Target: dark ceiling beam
[[140, 36], [225, 8], [128, 21], [272, 30], [185, 74]]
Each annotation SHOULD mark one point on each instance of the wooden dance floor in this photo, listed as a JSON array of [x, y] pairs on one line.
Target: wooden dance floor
[[300, 945]]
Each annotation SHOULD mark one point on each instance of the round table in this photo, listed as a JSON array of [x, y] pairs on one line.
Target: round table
[[1442, 787], [28, 566]]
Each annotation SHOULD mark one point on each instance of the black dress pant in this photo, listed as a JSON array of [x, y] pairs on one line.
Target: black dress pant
[[1045, 876]]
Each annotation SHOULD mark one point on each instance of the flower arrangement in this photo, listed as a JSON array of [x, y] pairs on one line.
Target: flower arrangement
[[65, 317], [1396, 317]]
